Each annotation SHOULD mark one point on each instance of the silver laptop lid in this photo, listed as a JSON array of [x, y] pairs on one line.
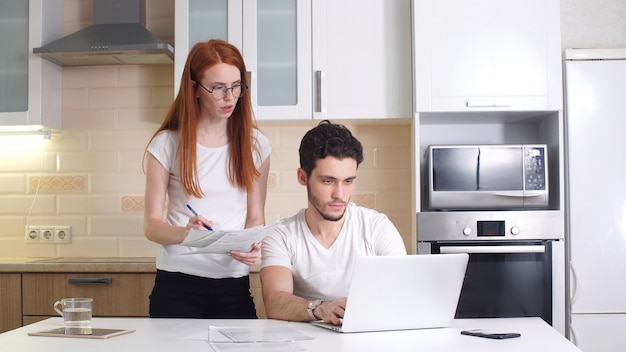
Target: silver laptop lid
[[404, 292]]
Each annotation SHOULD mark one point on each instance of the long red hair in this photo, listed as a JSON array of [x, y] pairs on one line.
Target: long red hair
[[184, 112]]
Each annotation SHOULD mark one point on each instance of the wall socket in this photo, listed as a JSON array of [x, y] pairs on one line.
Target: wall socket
[[48, 234]]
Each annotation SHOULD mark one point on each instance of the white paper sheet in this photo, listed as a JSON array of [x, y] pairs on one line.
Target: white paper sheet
[[226, 241], [256, 339]]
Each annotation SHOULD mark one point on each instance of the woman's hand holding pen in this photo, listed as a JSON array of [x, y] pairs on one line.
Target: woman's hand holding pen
[[198, 222], [247, 258], [199, 219]]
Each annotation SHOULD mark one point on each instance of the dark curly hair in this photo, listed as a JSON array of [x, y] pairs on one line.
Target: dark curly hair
[[327, 139]]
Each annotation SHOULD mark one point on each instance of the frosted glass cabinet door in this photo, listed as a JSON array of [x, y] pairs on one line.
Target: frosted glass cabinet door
[[201, 20], [274, 37], [277, 49], [30, 87], [13, 56]]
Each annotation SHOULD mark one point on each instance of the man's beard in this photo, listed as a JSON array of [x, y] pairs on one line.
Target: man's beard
[[317, 204]]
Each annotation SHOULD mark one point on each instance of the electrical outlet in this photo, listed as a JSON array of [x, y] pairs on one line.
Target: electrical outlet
[[32, 234], [46, 234], [63, 234]]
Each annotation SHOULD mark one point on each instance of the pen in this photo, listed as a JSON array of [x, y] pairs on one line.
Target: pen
[[196, 214]]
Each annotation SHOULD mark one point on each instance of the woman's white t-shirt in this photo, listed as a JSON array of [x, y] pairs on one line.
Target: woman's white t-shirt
[[223, 204]]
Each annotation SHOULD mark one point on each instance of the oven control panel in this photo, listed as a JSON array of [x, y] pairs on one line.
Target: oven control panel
[[482, 226]]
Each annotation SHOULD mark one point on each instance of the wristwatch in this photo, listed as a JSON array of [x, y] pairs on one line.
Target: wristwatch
[[311, 307]]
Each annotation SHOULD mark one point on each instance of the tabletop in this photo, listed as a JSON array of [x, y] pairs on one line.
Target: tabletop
[[160, 335]]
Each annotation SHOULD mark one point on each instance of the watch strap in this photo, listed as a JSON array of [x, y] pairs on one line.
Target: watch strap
[[311, 307]]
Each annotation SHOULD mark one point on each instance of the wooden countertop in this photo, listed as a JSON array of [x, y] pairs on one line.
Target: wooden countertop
[[67, 264], [75, 264]]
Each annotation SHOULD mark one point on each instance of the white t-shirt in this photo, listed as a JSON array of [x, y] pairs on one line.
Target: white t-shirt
[[320, 273], [223, 204]]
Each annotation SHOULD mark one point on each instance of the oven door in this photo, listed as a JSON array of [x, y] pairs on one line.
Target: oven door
[[504, 279]]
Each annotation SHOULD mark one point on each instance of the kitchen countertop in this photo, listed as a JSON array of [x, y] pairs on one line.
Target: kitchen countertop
[[76, 264], [160, 335], [71, 264]]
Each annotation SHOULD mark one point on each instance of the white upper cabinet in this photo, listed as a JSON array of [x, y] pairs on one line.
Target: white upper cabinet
[[30, 87], [362, 59], [487, 55], [335, 59], [274, 37]]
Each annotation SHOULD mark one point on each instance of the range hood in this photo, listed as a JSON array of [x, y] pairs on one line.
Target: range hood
[[118, 36]]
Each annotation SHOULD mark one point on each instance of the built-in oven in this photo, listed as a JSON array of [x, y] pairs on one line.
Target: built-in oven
[[516, 261]]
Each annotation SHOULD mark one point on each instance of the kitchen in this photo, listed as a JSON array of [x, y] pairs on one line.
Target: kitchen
[[92, 178]]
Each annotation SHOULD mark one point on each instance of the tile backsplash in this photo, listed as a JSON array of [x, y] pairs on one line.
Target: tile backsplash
[[91, 178]]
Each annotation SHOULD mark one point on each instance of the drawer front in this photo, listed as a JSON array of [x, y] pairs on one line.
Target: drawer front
[[10, 302], [114, 294]]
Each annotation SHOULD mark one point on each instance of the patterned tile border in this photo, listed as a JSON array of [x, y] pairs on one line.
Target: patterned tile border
[[50, 184], [132, 203], [272, 181]]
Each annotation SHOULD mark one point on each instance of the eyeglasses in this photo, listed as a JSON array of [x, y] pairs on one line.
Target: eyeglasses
[[219, 92]]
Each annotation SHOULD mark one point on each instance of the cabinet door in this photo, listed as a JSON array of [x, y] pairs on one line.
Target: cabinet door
[[487, 55], [10, 302], [362, 59], [274, 37], [28, 83], [277, 50], [201, 20], [114, 294]]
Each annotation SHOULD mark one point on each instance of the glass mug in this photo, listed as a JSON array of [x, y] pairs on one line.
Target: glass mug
[[75, 311]]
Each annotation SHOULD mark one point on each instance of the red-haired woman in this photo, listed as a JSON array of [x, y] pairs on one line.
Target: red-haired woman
[[207, 154]]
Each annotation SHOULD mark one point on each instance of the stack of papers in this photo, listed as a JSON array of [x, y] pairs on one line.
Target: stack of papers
[[256, 339], [225, 241]]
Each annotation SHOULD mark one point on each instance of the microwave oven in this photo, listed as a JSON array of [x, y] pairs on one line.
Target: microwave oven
[[488, 177]]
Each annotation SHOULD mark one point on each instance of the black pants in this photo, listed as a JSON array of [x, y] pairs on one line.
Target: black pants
[[177, 295]]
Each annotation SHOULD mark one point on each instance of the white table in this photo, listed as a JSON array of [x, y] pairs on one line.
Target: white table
[[166, 335]]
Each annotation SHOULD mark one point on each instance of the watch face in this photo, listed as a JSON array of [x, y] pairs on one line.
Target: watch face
[[313, 304]]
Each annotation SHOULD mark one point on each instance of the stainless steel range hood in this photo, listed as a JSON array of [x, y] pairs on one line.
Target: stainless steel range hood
[[118, 36]]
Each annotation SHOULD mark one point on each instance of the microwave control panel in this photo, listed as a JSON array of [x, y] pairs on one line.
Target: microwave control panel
[[534, 168]]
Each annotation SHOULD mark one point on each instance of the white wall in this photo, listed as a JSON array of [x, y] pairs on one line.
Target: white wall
[[593, 24]]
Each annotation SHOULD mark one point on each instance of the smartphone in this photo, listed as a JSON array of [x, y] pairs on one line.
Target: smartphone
[[490, 334]]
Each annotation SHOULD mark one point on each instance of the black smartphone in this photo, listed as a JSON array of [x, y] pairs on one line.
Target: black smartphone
[[490, 334]]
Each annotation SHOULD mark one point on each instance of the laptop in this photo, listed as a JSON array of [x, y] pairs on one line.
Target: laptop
[[403, 292]]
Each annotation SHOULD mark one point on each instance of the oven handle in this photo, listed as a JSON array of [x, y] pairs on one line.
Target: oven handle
[[493, 249]]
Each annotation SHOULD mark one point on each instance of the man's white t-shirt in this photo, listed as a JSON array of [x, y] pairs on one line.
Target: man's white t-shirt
[[223, 204], [321, 273]]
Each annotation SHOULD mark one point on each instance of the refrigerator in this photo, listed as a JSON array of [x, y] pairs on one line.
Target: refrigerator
[[595, 139]]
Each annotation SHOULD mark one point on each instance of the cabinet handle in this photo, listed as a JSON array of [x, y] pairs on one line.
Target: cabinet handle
[[575, 281], [318, 91], [89, 280], [493, 249], [486, 103]]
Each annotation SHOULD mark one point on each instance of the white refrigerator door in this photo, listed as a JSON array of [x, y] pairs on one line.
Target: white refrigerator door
[[599, 332], [596, 127]]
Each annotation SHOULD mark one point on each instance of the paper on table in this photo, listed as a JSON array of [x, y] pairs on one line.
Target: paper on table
[[256, 347], [226, 241], [256, 339], [262, 334]]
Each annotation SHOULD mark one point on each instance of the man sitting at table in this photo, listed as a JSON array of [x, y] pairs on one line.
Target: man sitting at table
[[307, 263]]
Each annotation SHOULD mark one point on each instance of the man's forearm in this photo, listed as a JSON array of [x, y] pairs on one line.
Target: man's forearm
[[285, 306]]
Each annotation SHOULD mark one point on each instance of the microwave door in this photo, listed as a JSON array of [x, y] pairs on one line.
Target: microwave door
[[501, 169], [454, 169]]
